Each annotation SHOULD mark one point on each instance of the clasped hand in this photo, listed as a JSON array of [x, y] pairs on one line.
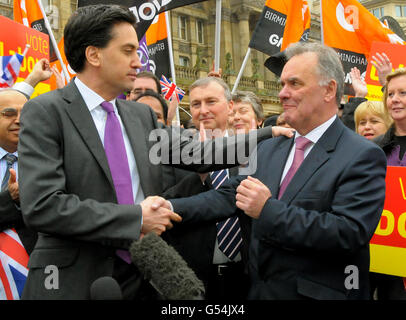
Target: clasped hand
[[157, 215]]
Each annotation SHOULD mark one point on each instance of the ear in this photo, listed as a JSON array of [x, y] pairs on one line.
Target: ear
[[331, 90], [230, 107], [92, 55]]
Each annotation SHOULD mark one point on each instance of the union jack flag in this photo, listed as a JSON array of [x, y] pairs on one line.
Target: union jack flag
[[169, 88], [13, 265], [9, 69]]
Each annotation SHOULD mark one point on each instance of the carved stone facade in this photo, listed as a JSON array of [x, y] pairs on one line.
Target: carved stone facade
[[193, 46]]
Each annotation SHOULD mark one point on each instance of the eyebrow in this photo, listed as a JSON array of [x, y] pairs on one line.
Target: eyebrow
[[130, 45]]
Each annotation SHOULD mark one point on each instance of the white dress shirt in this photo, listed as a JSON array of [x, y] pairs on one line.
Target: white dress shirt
[[313, 136], [99, 115]]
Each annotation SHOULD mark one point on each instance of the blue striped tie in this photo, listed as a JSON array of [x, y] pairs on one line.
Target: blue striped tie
[[10, 158], [229, 230]]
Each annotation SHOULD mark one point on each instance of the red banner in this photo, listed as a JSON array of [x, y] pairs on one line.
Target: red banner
[[14, 37]]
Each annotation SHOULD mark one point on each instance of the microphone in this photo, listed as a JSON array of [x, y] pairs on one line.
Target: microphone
[[165, 269], [105, 288]]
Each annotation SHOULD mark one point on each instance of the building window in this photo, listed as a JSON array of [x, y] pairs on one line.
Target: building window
[[183, 26], [378, 12], [184, 61], [400, 11], [200, 31]]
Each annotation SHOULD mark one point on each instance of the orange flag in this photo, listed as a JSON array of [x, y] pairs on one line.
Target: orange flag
[[29, 14], [348, 25], [281, 23], [350, 28]]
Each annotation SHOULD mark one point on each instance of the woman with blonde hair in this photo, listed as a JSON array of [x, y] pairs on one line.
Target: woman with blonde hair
[[393, 143], [371, 119]]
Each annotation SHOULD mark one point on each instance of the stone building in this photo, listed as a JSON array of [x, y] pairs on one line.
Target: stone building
[[193, 37]]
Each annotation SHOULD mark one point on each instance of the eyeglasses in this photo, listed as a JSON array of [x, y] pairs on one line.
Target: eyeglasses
[[9, 113]]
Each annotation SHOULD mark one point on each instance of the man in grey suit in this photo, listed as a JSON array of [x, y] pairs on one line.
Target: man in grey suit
[[85, 167], [315, 200]]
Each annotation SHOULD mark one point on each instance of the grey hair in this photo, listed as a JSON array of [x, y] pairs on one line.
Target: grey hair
[[329, 64], [204, 82], [252, 100]]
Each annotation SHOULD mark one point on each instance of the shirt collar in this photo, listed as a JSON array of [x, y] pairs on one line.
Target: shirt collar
[[4, 152], [316, 133], [91, 98]]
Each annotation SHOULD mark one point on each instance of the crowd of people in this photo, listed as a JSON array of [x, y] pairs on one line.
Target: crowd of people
[[78, 185]]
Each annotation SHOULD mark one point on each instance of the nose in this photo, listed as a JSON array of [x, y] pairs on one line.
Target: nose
[[204, 109], [284, 93], [136, 61]]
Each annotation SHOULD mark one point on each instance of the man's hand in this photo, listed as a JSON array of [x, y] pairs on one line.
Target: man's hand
[[40, 72], [383, 66], [60, 82], [282, 131], [13, 186], [251, 196], [157, 216], [359, 85]]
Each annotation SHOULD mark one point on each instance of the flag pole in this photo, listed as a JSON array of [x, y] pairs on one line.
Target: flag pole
[[244, 63], [53, 41], [321, 23], [171, 61], [217, 37], [27, 46]]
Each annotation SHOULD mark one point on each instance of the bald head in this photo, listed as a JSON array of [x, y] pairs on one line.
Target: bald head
[[11, 103]]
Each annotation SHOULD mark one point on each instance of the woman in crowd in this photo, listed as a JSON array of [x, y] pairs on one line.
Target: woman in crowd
[[247, 111], [393, 142], [371, 119]]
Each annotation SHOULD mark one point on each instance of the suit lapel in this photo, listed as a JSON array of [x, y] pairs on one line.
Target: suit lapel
[[82, 120], [277, 164], [135, 129], [314, 160]]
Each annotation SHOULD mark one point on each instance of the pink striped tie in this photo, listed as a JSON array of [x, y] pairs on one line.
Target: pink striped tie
[[301, 144]]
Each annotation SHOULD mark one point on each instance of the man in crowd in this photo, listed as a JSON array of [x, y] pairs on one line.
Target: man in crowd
[[216, 258], [12, 227], [145, 81], [315, 200]]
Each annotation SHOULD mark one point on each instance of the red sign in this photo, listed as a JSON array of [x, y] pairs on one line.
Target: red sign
[[14, 37]]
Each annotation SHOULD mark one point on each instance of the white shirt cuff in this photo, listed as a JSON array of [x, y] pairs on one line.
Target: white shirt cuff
[[24, 87]]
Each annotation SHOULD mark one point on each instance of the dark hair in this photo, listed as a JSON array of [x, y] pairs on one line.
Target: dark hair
[[92, 26], [151, 93], [150, 75]]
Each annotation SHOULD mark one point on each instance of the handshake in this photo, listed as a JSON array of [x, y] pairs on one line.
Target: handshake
[[157, 215]]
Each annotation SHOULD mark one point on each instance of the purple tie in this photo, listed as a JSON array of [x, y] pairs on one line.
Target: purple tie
[[301, 144], [118, 163]]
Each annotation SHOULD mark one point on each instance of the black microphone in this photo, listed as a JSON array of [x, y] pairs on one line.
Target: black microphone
[[105, 288], [165, 269]]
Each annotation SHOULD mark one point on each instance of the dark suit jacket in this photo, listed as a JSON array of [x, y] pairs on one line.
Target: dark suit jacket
[[302, 244], [67, 193], [11, 217], [195, 243]]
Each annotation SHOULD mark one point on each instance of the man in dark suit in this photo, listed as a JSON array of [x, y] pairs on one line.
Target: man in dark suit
[[312, 218], [11, 104], [85, 163], [210, 105]]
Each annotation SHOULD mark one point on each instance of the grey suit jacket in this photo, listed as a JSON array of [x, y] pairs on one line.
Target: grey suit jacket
[[301, 244], [67, 193]]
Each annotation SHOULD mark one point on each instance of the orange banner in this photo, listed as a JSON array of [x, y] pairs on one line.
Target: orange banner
[[11, 42], [348, 25], [388, 245]]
